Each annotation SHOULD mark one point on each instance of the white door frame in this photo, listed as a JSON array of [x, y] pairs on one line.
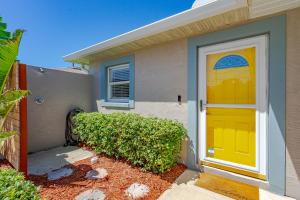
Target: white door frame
[[261, 45]]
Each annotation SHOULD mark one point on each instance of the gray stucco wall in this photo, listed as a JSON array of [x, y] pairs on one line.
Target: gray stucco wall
[[61, 91], [292, 105], [160, 76]]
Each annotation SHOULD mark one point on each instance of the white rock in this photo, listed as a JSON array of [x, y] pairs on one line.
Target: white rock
[[94, 160], [137, 190], [98, 173], [59, 173], [93, 194]]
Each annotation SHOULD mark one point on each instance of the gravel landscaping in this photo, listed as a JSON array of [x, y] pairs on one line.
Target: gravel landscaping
[[106, 178]]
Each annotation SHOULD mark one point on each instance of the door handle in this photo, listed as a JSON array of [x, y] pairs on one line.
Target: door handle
[[201, 105]]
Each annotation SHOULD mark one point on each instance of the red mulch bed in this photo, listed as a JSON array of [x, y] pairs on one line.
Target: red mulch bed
[[4, 164], [120, 176]]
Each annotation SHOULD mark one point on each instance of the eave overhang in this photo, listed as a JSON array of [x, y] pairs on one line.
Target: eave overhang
[[200, 20]]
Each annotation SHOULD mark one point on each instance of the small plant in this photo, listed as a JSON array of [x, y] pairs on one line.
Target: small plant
[[151, 143], [13, 186]]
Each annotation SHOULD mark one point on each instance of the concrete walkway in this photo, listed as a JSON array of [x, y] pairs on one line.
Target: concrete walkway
[[45, 161], [184, 188]]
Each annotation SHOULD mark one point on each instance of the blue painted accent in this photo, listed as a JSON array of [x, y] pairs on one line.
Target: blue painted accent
[[103, 82], [231, 61], [275, 28]]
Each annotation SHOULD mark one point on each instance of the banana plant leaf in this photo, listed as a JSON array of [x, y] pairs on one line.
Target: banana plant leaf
[[9, 47], [8, 53], [5, 135], [3, 33], [7, 101]]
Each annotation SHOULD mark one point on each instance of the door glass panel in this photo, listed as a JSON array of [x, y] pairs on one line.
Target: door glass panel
[[231, 77]]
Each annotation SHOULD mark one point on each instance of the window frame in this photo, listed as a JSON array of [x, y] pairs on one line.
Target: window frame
[[104, 100], [110, 84]]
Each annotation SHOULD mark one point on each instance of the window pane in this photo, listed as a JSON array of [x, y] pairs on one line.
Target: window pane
[[119, 74], [120, 91], [231, 77]]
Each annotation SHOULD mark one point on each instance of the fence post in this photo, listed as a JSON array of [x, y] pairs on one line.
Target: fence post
[[23, 121]]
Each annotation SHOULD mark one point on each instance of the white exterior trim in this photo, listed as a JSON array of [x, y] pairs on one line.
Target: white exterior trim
[[198, 3], [192, 15], [260, 42], [259, 8], [110, 84]]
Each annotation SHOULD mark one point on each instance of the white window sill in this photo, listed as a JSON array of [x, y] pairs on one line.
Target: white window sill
[[109, 104]]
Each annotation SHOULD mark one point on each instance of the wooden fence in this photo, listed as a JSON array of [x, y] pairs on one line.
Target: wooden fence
[[15, 148]]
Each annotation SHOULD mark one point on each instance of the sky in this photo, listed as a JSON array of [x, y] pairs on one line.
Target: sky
[[55, 28]]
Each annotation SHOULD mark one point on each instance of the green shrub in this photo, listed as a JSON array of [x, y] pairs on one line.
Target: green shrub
[[151, 143], [13, 186]]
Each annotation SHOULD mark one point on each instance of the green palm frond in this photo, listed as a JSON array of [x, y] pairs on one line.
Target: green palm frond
[[8, 53]]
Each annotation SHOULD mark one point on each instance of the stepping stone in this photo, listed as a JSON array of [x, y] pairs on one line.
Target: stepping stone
[[59, 173], [94, 160], [92, 194], [137, 190], [98, 173]]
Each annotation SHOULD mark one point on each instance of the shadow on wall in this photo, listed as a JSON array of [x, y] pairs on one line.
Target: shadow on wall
[[188, 156], [54, 92]]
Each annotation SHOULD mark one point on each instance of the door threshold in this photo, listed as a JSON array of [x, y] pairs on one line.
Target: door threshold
[[227, 187], [235, 170]]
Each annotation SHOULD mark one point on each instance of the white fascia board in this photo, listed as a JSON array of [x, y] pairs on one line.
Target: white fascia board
[[192, 15], [268, 7], [198, 3]]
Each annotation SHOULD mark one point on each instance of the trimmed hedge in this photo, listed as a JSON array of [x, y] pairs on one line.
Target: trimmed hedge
[[14, 186], [152, 143]]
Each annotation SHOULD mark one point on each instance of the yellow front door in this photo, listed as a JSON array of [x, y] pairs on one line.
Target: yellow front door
[[230, 118], [233, 106]]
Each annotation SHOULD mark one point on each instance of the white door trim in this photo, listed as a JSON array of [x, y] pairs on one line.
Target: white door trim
[[261, 45]]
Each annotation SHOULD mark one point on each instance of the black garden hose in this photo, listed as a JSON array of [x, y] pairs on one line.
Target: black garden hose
[[69, 135]]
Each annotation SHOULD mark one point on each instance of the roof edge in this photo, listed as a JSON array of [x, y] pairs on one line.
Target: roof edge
[[174, 21]]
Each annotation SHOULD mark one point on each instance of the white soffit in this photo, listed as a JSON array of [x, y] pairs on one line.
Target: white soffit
[[259, 8], [214, 8]]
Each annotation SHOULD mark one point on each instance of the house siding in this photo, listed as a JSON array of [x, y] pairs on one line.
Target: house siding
[[292, 105]]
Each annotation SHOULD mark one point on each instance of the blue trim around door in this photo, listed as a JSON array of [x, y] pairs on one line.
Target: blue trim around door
[[275, 27]]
